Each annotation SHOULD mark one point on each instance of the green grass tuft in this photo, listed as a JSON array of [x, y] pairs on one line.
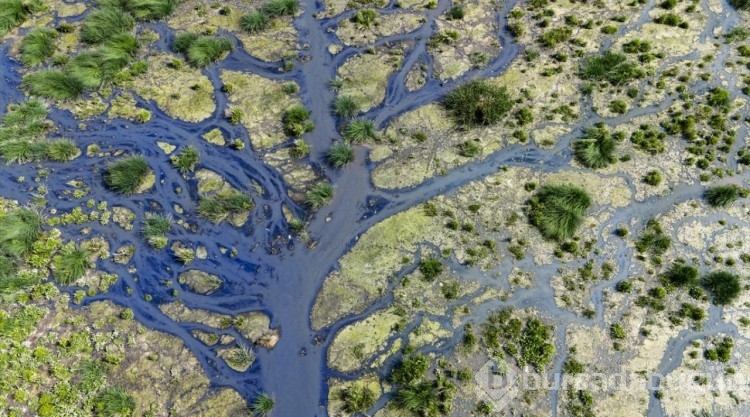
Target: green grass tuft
[[156, 225], [297, 121], [19, 230], [70, 264], [102, 24], [127, 174], [345, 107], [358, 399], [278, 8], [681, 275], [183, 41], [62, 150], [557, 210], [359, 131], [478, 102], [610, 66], [12, 13], [186, 160], [54, 84], [721, 195], [37, 46], [114, 402], [218, 207], [319, 196], [723, 285], [340, 155], [150, 9], [254, 22], [596, 148], [262, 405], [207, 49], [24, 121]]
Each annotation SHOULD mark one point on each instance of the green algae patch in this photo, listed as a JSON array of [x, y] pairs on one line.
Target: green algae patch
[[85, 108], [366, 76], [214, 137], [182, 91], [363, 273], [351, 33], [356, 344], [263, 103], [200, 282]]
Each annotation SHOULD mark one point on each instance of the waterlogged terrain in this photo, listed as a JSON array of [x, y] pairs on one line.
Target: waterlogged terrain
[[390, 208]]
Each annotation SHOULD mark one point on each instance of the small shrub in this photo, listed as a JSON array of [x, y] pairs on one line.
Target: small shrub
[[410, 369], [455, 13], [340, 155], [278, 8], [555, 36], [469, 149], [207, 49], [681, 275], [618, 106], [297, 121], [235, 115], [299, 149], [721, 195], [127, 174], [19, 229], [478, 102], [358, 398], [319, 196], [653, 240]]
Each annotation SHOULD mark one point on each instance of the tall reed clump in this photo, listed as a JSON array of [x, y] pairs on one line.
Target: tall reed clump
[[558, 210]]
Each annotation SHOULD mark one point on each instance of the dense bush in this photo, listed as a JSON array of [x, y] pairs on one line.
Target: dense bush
[[70, 264], [555, 36], [653, 240], [219, 206], [357, 398], [297, 121], [254, 22], [278, 8], [557, 210], [721, 195], [19, 229], [37, 46], [653, 178], [649, 140], [596, 149], [610, 66], [425, 399], [113, 402], [410, 369], [723, 285], [365, 17], [127, 174], [478, 102]]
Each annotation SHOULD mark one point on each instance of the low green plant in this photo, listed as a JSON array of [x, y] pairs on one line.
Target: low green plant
[[24, 121], [278, 8], [262, 405], [721, 195], [219, 206], [723, 285], [12, 13], [299, 149], [186, 160], [365, 17], [557, 210], [345, 107], [148, 9], [653, 240], [596, 148], [681, 275], [127, 174], [241, 357], [469, 149], [207, 49], [156, 225], [340, 154], [456, 13], [555, 36], [319, 195], [182, 41], [70, 264], [254, 22], [478, 102], [184, 255], [37, 46], [409, 370], [653, 178], [359, 131], [426, 398], [114, 402]]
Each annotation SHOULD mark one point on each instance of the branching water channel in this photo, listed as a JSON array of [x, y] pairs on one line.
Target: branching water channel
[[273, 272]]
